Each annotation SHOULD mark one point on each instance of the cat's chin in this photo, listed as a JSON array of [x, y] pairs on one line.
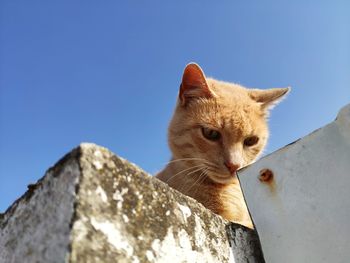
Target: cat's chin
[[222, 179]]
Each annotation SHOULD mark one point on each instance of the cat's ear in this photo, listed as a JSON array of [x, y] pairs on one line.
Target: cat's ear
[[193, 85], [270, 97]]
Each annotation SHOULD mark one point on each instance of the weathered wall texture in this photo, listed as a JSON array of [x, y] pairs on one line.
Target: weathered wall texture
[[95, 207], [37, 227], [304, 209]]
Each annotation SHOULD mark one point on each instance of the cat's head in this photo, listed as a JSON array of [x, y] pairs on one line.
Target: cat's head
[[220, 125]]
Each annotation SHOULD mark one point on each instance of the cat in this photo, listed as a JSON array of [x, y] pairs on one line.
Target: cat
[[217, 128]]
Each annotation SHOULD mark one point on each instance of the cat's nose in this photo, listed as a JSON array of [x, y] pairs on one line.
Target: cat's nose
[[231, 166]]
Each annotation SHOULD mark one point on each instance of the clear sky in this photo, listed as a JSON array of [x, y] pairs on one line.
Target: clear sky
[[108, 72]]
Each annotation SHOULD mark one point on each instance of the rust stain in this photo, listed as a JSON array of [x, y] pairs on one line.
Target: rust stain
[[266, 176]]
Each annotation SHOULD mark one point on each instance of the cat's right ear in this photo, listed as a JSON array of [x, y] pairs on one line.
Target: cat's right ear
[[193, 85]]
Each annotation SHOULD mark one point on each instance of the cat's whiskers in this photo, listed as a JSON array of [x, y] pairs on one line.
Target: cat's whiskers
[[201, 181], [205, 164], [213, 166], [190, 178], [200, 177], [187, 159], [214, 173], [185, 170], [204, 161]]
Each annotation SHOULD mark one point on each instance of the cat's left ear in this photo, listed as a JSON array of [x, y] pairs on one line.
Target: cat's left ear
[[270, 97]]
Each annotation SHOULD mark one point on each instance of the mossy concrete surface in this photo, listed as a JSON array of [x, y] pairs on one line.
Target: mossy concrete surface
[[93, 206]]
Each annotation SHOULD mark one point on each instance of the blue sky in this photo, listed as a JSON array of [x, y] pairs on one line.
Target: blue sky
[[108, 72]]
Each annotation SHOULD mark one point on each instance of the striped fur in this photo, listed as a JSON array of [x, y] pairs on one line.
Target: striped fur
[[197, 166]]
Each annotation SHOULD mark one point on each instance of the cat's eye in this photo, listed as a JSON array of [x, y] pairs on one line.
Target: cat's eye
[[250, 141], [211, 134]]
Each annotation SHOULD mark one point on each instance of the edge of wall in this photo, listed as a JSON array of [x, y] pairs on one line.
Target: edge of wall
[[95, 205]]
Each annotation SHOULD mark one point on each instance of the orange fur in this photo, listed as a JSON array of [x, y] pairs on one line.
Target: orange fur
[[199, 165]]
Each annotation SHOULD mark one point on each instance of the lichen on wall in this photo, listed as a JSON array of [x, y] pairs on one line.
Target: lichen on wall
[[133, 217], [93, 206], [36, 228]]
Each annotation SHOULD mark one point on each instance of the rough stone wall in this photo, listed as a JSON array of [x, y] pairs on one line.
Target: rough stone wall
[[36, 228], [135, 218], [96, 207]]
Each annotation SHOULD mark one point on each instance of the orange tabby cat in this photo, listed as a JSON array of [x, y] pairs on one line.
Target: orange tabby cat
[[217, 128]]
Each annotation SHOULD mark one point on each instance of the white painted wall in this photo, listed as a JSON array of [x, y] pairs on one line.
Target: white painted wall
[[303, 213]]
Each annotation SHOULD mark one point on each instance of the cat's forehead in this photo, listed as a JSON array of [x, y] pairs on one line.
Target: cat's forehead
[[229, 91], [236, 115], [232, 109]]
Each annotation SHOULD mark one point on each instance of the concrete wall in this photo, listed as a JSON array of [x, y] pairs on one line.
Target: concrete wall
[[93, 206]]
